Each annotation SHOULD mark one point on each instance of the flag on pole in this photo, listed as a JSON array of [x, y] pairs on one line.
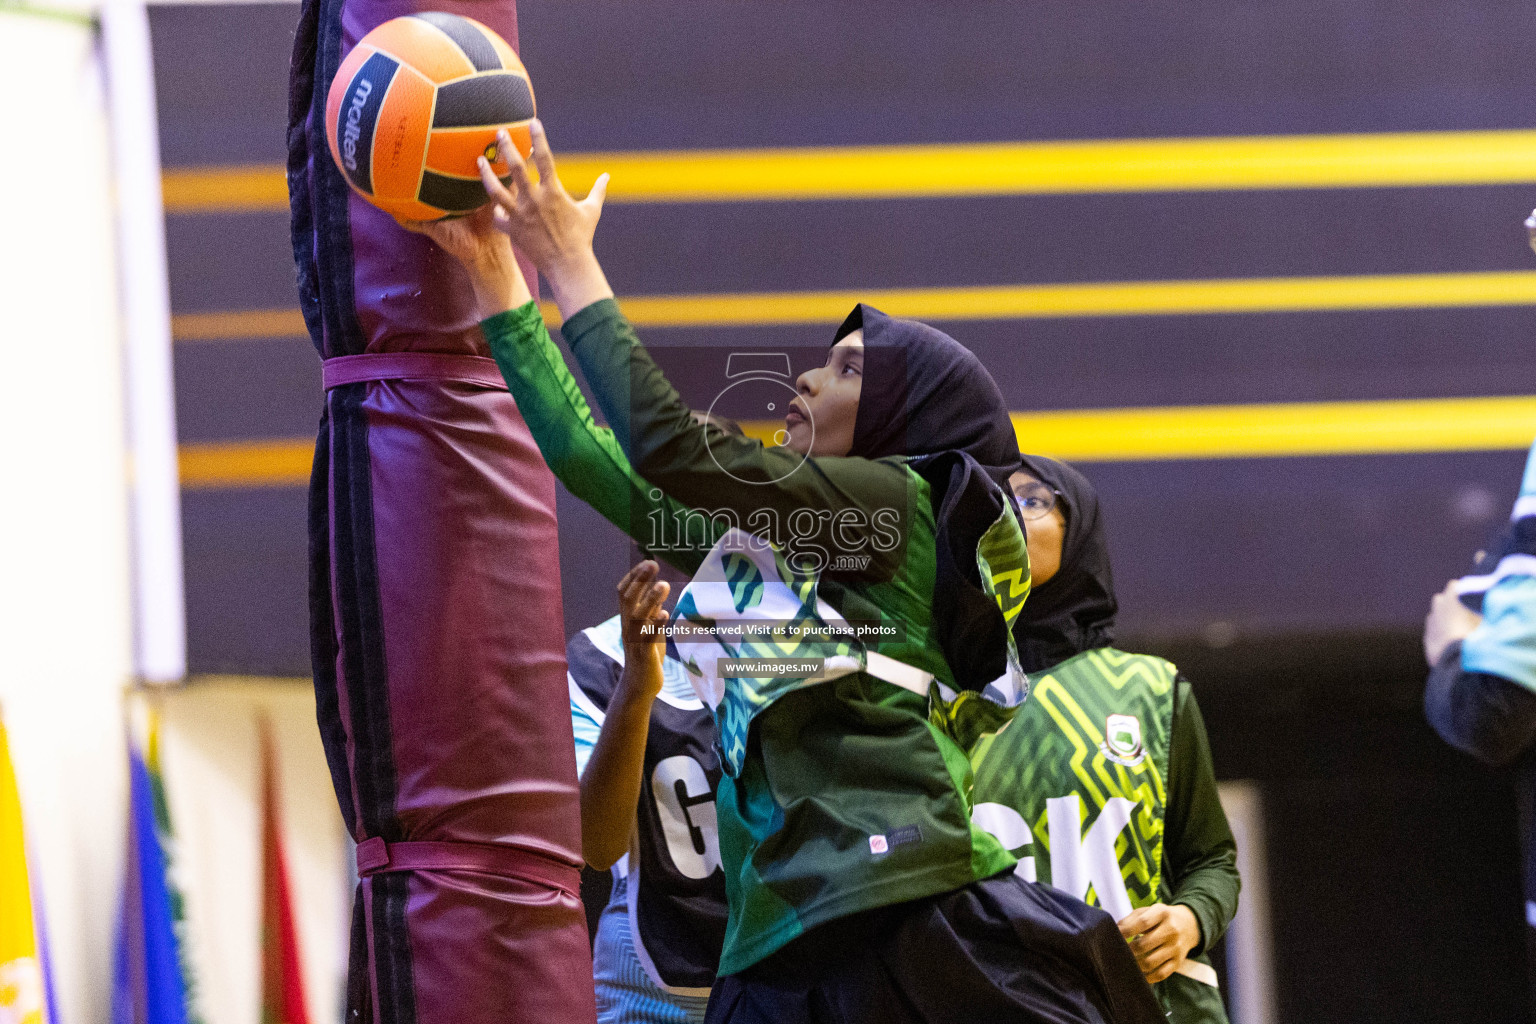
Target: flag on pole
[[282, 972], [44, 955], [168, 852], [23, 997], [152, 979]]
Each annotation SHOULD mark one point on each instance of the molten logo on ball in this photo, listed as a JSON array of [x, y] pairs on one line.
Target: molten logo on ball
[[354, 120]]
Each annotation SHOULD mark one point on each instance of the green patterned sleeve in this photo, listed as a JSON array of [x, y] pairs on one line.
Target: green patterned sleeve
[[585, 457]]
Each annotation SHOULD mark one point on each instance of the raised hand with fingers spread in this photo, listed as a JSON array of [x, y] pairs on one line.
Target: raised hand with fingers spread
[[541, 220], [643, 617], [548, 225]]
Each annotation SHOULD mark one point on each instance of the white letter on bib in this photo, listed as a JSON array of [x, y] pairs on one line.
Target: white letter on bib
[[687, 810], [1008, 827], [1078, 861]]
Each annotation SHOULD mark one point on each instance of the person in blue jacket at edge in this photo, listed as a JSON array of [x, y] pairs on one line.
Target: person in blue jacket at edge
[[1480, 641]]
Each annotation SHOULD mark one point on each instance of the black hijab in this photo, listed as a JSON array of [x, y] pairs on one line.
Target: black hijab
[[925, 393], [1073, 611], [927, 398]]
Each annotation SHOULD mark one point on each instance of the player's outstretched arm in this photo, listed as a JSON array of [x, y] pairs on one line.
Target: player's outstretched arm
[[585, 457], [610, 787], [652, 425]]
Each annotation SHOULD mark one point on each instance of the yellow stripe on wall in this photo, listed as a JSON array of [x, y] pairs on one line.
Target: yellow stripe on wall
[[1099, 299], [1044, 168], [1089, 435], [999, 302], [234, 189], [1004, 168], [280, 463], [244, 324], [1259, 431]]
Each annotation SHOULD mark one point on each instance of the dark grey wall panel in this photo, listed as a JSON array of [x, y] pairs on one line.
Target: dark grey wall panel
[[221, 78], [244, 261], [1380, 838], [234, 390], [722, 247], [247, 588], [1136, 361], [230, 261], [625, 74], [1323, 545]]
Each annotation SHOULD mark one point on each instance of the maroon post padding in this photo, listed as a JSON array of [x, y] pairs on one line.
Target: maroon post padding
[[437, 631]]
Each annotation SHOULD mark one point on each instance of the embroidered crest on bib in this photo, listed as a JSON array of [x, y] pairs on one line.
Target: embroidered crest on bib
[[1122, 740]]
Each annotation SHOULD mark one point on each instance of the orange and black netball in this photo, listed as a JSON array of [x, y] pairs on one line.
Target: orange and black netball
[[413, 106]]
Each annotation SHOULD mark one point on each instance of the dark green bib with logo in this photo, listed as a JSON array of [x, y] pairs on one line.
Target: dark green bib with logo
[[1075, 786]]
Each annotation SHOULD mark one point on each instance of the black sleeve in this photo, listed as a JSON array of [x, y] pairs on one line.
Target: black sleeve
[[1199, 853], [1484, 715]]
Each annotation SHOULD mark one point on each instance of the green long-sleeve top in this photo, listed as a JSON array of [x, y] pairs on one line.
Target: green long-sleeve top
[[1199, 857], [849, 797], [1199, 853]]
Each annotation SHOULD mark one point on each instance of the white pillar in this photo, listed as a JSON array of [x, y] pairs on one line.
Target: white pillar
[[160, 633], [1250, 944], [64, 563]]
